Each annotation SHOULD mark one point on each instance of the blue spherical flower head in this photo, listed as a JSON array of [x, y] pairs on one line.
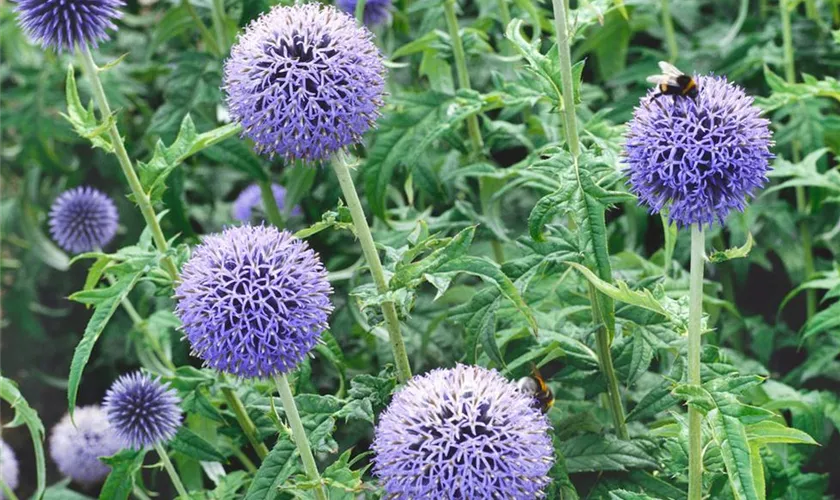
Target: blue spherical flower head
[[249, 206], [253, 301], [83, 219], [703, 157], [376, 11], [465, 432], [304, 81], [76, 449], [9, 468], [142, 411], [64, 24]]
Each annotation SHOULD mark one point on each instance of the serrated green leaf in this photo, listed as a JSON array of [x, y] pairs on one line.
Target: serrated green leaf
[[622, 293], [195, 446], [593, 452], [277, 467], [25, 415], [731, 437], [411, 274], [84, 120], [124, 467], [769, 431], [105, 302], [719, 256]]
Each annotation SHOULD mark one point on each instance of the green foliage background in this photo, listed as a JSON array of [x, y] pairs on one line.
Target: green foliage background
[[484, 266]]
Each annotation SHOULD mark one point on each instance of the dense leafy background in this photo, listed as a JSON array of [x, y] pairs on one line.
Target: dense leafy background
[[768, 364]]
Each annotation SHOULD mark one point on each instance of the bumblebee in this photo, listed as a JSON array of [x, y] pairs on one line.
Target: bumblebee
[[673, 82], [536, 387]]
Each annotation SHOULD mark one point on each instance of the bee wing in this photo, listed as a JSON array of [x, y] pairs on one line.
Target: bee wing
[[669, 69], [661, 79]]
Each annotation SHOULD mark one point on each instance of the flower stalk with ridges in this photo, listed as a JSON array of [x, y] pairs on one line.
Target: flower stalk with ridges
[[602, 307], [695, 314], [389, 310], [299, 434], [140, 196]]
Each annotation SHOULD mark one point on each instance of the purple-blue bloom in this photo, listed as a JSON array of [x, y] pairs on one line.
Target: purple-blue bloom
[[8, 467], [463, 432], [76, 449], [64, 24], [249, 206], [704, 157], [376, 11], [253, 301], [304, 81], [142, 411], [83, 219]]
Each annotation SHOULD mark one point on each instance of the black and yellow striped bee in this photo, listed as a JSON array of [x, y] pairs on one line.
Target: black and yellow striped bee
[[673, 82], [535, 386]]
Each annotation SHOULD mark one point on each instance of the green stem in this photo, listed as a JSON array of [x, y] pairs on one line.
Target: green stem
[[565, 58], [218, 14], [603, 312], [762, 9], [811, 10], [206, 35], [389, 311], [461, 71], [695, 314], [7, 491], [170, 469], [801, 193], [140, 196], [299, 434], [670, 35], [270, 203], [603, 341], [360, 12], [245, 421], [245, 460], [504, 15]]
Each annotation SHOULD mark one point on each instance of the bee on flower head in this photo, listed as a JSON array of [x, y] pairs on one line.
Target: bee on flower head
[[673, 82], [536, 387]]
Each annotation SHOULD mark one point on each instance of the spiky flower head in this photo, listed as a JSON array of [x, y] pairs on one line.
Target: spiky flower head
[[253, 301], [304, 81], [65, 24], [376, 11], [142, 411], [76, 449], [83, 219], [8, 467], [249, 205], [465, 433], [702, 157]]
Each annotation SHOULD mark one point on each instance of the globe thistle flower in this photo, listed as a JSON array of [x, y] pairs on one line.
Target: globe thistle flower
[[142, 411], [251, 198], [63, 24], [8, 467], [76, 449], [253, 301], [464, 432], [83, 219], [304, 81], [703, 156], [376, 11]]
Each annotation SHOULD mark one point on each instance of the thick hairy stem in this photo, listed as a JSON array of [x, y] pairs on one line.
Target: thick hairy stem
[[299, 434], [461, 71], [801, 193], [360, 12], [565, 58], [245, 421], [173, 474], [389, 310], [140, 196], [602, 340], [695, 314]]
